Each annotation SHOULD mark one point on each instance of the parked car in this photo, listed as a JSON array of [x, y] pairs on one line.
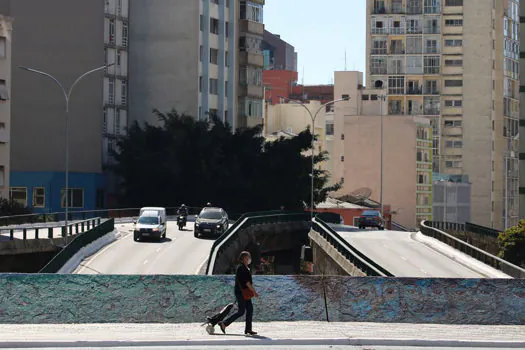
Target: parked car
[[371, 218], [149, 225], [212, 222]]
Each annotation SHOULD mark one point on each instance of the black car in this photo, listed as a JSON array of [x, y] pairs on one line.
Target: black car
[[211, 222], [371, 218]]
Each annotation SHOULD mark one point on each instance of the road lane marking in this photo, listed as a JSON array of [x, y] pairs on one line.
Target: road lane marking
[[145, 262], [403, 258], [158, 250], [200, 266], [91, 258]]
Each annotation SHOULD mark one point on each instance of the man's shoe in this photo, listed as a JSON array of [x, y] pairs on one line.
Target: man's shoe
[[223, 327], [250, 333]]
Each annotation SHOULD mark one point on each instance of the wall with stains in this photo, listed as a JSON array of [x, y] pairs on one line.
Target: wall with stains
[[182, 299]]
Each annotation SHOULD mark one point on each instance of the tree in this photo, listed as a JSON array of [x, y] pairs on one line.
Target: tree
[[512, 244], [194, 162], [9, 207]]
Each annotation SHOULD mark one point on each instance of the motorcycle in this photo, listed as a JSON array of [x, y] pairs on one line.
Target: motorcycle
[[181, 222]]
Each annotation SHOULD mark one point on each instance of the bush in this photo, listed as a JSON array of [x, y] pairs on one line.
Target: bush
[[512, 244]]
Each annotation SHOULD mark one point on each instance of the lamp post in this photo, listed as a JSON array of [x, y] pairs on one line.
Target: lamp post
[[382, 98], [313, 117], [67, 97]]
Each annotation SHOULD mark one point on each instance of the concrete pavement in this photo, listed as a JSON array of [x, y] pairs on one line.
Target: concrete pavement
[[180, 253], [271, 335], [403, 256]]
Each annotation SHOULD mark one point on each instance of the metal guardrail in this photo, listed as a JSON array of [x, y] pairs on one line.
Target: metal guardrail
[[58, 217], [466, 227], [78, 243], [478, 254], [247, 220], [358, 259], [72, 228]]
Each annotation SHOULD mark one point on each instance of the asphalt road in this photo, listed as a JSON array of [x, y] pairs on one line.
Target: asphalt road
[[404, 257], [179, 254]]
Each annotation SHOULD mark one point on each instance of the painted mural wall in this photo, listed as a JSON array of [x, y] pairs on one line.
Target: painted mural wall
[[183, 299]]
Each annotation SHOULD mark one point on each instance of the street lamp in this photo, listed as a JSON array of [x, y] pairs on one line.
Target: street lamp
[[67, 96], [382, 98], [313, 117]]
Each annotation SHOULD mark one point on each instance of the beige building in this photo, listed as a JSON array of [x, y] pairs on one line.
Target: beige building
[[455, 62], [200, 57], [407, 151], [5, 104]]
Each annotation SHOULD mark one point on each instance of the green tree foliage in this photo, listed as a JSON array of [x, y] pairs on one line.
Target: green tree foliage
[[512, 244], [194, 162], [10, 207]]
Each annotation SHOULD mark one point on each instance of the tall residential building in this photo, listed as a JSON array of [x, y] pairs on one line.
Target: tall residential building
[[199, 57], [278, 54], [5, 103], [522, 121], [455, 62], [65, 39]]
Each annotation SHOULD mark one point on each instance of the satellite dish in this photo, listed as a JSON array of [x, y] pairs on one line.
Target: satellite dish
[[363, 192]]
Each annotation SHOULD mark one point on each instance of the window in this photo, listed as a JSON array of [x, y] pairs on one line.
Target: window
[[454, 144], [75, 198], [214, 26], [117, 122], [19, 195], [3, 46], [226, 59], [212, 112], [453, 2], [39, 197], [200, 84], [111, 88], [214, 86], [453, 103], [201, 22], [432, 6], [124, 34], [105, 122], [396, 85], [342, 158], [454, 42], [431, 64], [365, 97], [119, 58], [453, 22], [431, 46], [329, 128], [345, 97], [201, 53], [214, 56], [378, 65], [111, 31], [124, 93], [452, 123], [453, 164], [227, 29], [251, 11], [454, 63], [2, 176], [226, 88], [453, 83]]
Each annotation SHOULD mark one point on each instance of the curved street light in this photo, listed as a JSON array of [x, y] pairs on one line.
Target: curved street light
[[67, 97], [313, 117]]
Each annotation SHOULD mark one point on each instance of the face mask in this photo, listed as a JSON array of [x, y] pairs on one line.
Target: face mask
[[249, 261]]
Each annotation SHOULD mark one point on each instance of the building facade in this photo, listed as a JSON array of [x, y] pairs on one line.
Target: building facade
[[522, 119], [451, 198], [5, 103], [455, 62], [407, 159], [216, 45], [278, 54], [65, 39]]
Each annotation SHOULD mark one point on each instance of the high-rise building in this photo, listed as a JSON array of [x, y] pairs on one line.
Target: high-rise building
[[199, 57], [5, 103], [522, 122], [455, 62], [65, 39]]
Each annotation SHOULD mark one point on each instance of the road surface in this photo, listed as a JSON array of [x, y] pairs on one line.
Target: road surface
[[179, 254], [403, 256]]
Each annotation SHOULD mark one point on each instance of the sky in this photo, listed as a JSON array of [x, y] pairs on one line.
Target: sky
[[320, 31]]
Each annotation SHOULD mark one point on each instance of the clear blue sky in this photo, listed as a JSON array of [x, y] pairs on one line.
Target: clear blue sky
[[320, 31]]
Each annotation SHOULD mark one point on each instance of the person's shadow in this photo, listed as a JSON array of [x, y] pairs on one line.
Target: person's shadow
[[257, 336]]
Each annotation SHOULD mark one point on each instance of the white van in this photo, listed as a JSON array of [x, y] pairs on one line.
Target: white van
[[160, 212]]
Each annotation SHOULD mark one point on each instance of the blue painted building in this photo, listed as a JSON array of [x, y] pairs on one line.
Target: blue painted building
[[43, 192]]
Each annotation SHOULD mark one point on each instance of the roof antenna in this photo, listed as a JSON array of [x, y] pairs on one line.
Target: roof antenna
[[345, 59]]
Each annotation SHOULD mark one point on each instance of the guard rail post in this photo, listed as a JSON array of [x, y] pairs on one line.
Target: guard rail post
[[11, 234], [50, 232], [24, 233], [36, 233]]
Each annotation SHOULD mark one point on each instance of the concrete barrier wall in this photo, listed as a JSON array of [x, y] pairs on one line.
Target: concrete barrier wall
[[176, 299]]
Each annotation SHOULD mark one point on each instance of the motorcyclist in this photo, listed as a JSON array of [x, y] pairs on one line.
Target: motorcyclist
[[183, 210], [208, 204]]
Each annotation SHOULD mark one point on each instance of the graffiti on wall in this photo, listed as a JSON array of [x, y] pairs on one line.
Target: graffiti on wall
[[184, 299]]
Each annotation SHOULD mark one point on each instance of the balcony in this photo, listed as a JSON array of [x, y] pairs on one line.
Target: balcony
[[431, 111], [414, 91], [379, 30], [431, 91], [246, 26], [395, 50], [414, 10], [432, 30], [431, 70], [254, 91], [414, 30], [251, 59], [378, 71], [379, 51]]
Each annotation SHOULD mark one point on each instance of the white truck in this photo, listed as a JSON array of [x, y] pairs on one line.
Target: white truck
[[150, 224]]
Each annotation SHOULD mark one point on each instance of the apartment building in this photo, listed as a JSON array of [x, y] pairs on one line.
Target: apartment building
[[199, 57], [5, 102], [522, 119], [65, 38], [455, 62], [356, 150]]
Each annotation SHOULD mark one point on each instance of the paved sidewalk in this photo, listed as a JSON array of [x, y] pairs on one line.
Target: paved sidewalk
[[271, 335]]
